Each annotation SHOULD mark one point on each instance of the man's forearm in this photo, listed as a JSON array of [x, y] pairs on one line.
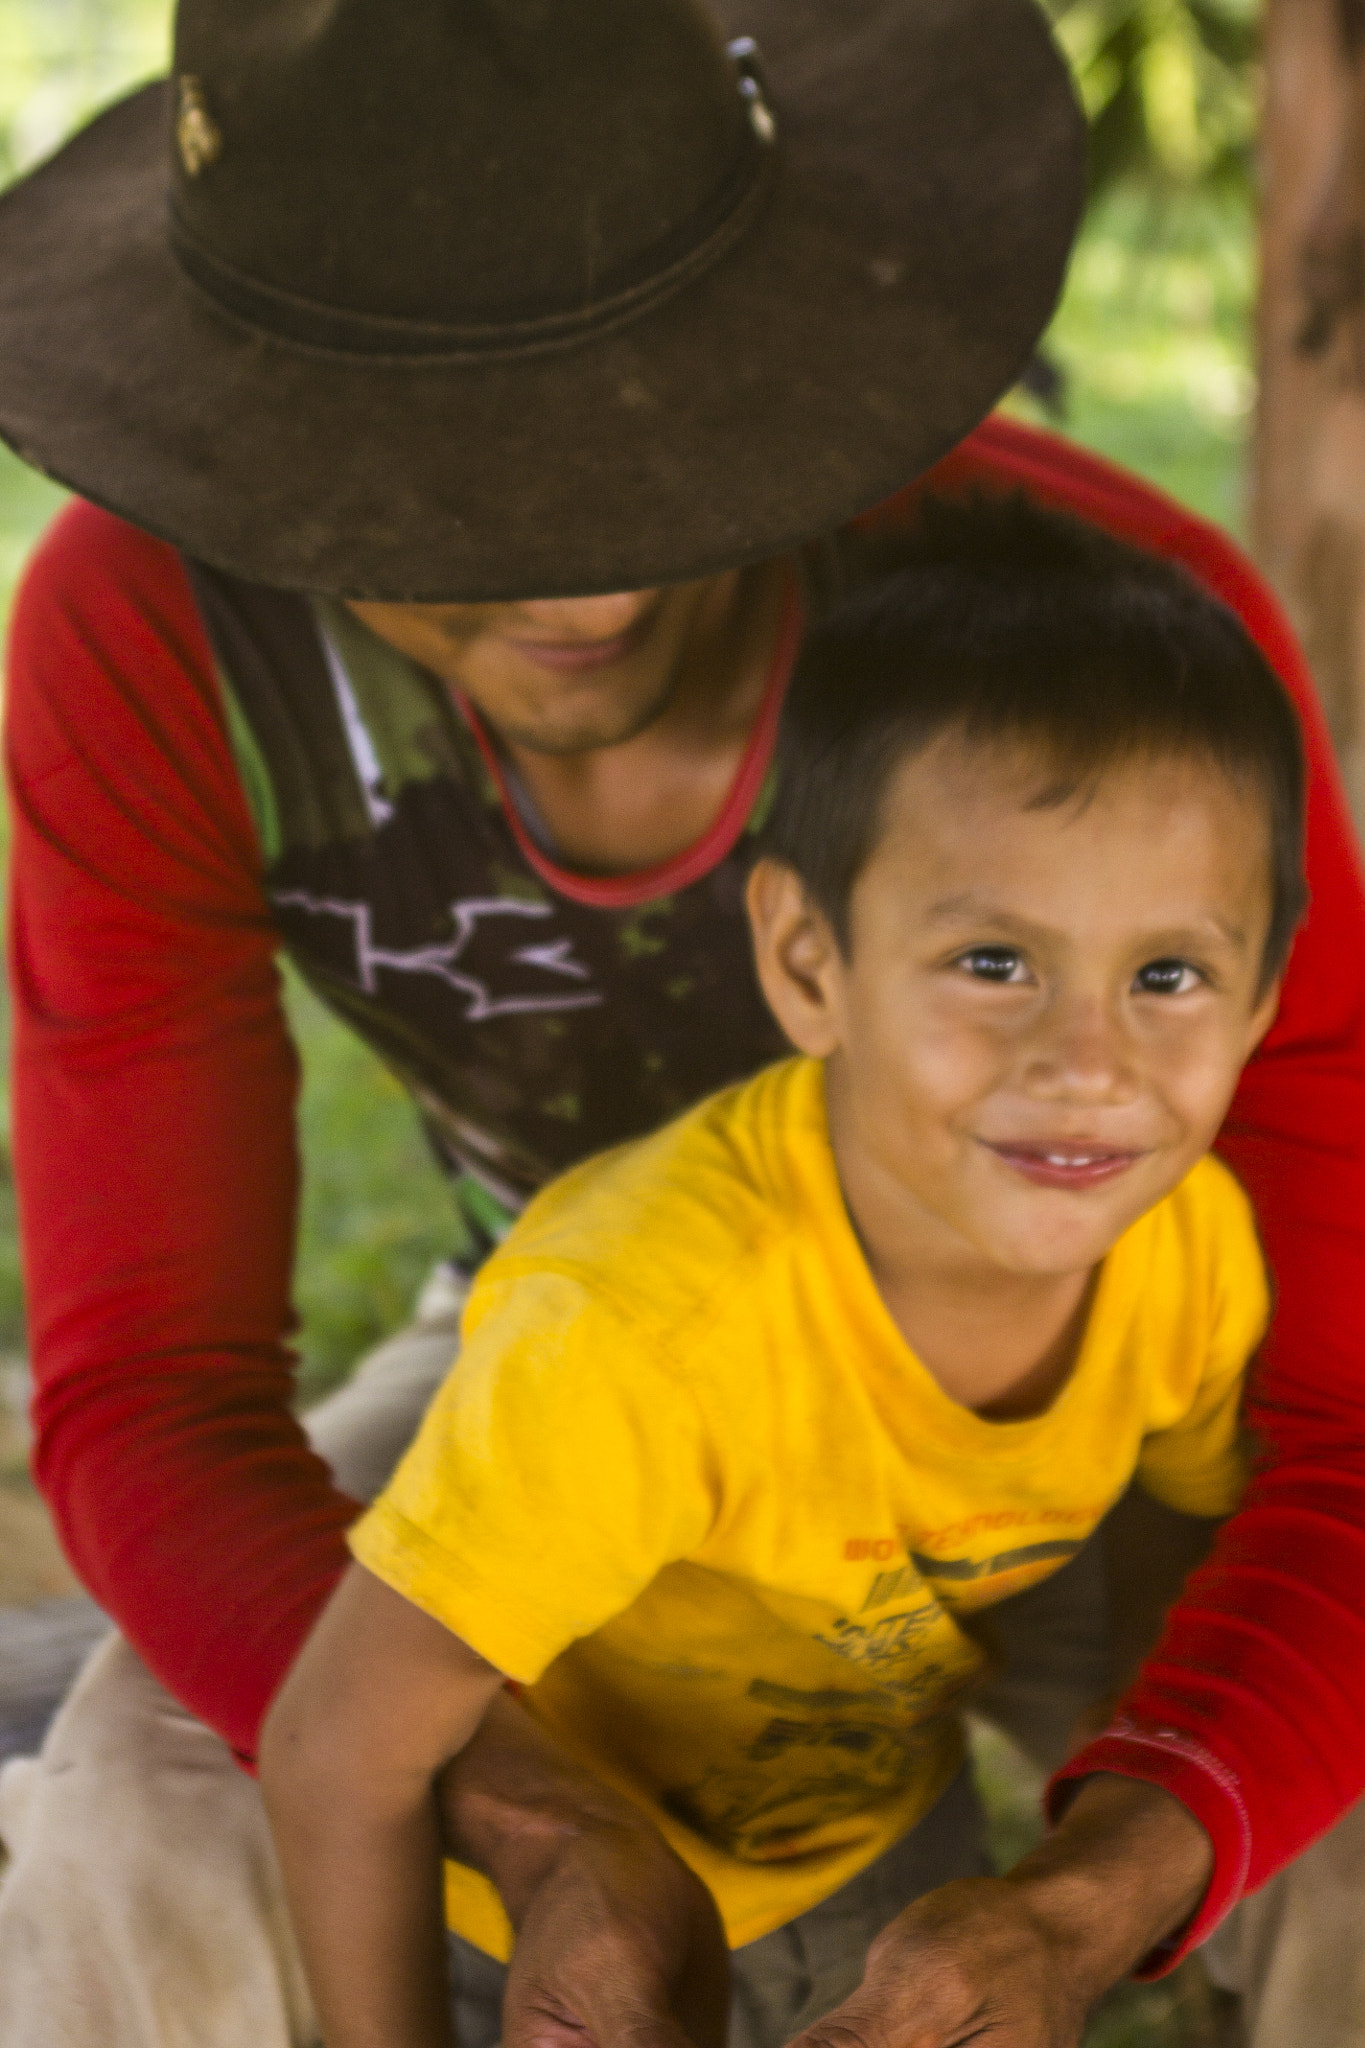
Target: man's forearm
[[1125, 1868], [513, 1804]]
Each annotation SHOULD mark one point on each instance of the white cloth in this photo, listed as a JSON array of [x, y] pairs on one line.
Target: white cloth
[[1295, 1950], [142, 1906]]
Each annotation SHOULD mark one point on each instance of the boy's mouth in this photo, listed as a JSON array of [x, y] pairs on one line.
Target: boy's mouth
[[1065, 1165]]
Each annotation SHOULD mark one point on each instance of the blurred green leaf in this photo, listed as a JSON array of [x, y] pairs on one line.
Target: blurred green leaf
[[62, 59], [1171, 89]]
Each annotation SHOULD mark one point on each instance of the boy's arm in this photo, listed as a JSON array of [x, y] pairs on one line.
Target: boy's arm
[[378, 1700]]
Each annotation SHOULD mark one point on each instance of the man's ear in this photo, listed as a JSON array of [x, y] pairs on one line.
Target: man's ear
[[800, 966]]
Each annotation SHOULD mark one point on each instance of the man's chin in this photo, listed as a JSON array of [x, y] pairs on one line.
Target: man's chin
[[586, 735]]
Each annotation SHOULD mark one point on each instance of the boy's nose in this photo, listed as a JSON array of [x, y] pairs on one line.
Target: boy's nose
[[1081, 1054]]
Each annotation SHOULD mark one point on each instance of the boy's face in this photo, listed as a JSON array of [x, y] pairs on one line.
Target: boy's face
[[1044, 1011]]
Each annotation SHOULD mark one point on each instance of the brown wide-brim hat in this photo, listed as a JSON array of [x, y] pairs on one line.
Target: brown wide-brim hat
[[485, 299]]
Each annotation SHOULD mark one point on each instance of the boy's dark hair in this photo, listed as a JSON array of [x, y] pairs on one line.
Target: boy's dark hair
[[1010, 623]]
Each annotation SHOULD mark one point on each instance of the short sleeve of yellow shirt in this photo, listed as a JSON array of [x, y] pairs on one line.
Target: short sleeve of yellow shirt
[[561, 1466]]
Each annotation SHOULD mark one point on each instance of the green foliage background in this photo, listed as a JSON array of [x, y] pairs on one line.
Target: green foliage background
[[1151, 342], [1170, 89]]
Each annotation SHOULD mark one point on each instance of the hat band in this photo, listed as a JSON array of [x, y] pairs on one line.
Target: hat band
[[675, 262]]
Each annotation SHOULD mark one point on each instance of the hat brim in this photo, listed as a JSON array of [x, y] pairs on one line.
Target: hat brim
[[908, 257]]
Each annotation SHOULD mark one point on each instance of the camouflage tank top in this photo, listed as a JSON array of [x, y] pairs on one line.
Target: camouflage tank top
[[535, 1015]]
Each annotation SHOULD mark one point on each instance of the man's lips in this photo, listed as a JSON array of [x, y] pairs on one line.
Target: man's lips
[[572, 657], [1064, 1163]]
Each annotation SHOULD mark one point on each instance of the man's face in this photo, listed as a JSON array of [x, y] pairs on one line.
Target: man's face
[[560, 675], [1044, 1011]]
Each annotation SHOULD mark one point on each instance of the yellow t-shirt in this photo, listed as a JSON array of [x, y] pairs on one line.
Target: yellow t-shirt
[[690, 1485]]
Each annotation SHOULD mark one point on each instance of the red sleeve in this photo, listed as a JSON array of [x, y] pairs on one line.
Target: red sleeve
[[154, 1088], [1252, 1708]]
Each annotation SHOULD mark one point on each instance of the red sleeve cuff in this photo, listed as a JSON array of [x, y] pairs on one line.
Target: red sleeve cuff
[[1203, 1784]]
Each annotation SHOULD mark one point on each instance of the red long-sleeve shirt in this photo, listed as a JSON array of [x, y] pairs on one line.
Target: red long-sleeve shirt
[[154, 1095]]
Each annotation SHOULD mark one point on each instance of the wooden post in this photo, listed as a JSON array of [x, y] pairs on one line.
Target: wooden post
[[1308, 486]]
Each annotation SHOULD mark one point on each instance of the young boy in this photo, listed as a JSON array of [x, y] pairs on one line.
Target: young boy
[[754, 1415]]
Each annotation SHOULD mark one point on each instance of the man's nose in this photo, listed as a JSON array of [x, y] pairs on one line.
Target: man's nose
[[1081, 1053], [587, 618]]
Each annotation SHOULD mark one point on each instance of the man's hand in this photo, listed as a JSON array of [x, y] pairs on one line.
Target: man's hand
[[1018, 1961], [618, 1944], [622, 1945]]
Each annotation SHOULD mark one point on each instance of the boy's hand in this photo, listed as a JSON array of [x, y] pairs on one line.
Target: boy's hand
[[1018, 1961]]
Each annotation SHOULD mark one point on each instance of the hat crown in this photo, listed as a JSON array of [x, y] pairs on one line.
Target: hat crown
[[451, 161]]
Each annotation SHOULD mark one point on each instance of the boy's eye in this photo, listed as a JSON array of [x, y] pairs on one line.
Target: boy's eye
[[994, 963], [1167, 978]]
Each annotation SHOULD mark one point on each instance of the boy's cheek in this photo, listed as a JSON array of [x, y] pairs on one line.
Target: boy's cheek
[[946, 1057], [1197, 1081]]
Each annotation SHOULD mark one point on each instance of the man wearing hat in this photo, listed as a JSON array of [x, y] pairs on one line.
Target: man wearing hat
[[465, 400]]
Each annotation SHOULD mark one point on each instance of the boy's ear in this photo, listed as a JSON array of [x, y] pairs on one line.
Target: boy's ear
[[800, 966], [1263, 1016]]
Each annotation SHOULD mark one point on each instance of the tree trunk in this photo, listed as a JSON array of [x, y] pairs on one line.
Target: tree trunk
[[1308, 510]]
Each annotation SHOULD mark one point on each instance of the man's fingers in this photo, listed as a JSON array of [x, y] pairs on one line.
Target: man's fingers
[[610, 1987], [964, 1967], [622, 1947], [608, 2017], [864, 2021], [837, 2030], [915, 2027]]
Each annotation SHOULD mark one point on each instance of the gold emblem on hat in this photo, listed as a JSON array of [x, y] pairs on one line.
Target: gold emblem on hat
[[197, 134]]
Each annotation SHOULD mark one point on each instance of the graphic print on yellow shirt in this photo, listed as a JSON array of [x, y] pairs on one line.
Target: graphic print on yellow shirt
[[689, 1484]]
